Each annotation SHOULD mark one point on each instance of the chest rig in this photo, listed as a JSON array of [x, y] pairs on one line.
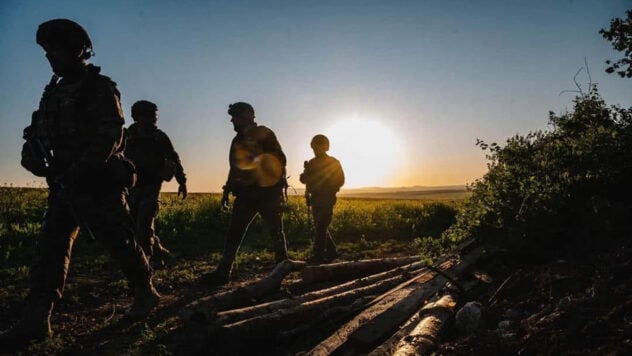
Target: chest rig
[[61, 122]]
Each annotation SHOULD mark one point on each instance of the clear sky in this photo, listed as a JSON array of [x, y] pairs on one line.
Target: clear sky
[[403, 88]]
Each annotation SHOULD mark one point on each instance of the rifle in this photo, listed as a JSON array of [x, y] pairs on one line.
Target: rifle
[[63, 193]]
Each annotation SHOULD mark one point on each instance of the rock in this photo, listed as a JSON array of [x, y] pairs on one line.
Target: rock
[[469, 319], [511, 314], [505, 325]]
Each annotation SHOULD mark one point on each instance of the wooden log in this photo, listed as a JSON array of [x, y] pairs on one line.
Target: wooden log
[[233, 315], [204, 310], [369, 328], [349, 270], [423, 338], [388, 347], [269, 325]]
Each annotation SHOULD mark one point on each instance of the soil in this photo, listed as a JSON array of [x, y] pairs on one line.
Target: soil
[[578, 303]]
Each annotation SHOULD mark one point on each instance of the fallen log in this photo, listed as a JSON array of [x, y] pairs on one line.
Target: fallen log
[[267, 326], [231, 316], [388, 347], [204, 310], [353, 269], [389, 311], [425, 335]]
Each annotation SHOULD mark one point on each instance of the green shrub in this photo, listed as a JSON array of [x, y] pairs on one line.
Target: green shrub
[[547, 186]]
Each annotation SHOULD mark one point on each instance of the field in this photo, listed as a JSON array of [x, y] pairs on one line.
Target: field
[[95, 295]]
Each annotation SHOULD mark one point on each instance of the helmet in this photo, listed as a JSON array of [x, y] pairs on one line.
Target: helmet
[[65, 33], [320, 142], [143, 107], [240, 108]]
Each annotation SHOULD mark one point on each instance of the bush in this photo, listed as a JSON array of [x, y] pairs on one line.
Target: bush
[[547, 186]]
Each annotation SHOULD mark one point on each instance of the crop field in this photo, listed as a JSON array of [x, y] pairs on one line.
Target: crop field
[[194, 231]]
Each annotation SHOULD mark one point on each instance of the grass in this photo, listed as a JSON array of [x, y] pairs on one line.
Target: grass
[[194, 230]]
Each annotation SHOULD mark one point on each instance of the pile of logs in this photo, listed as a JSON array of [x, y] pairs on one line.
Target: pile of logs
[[379, 307]]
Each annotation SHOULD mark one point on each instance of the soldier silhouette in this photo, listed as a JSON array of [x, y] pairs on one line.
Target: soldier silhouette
[[75, 141], [257, 180], [156, 161], [323, 176]]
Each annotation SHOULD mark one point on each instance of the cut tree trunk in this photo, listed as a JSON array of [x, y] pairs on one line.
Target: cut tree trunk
[[205, 309], [231, 316], [268, 325], [425, 335], [369, 328], [353, 269]]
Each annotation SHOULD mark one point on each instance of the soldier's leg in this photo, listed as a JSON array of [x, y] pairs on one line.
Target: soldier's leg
[[48, 275], [159, 253], [320, 227], [271, 210], [331, 253], [244, 212], [112, 226], [144, 207]]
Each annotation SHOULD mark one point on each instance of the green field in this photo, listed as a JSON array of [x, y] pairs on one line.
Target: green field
[[195, 228], [194, 231]]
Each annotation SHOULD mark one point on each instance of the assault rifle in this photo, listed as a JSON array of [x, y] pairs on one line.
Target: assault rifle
[[37, 144]]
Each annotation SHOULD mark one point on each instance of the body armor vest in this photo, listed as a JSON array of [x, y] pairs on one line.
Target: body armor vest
[[61, 123]]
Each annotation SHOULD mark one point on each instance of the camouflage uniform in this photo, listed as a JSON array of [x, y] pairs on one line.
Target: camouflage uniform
[[323, 176], [154, 156], [257, 180], [80, 124]]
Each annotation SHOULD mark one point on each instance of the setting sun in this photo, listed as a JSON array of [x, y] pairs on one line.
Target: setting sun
[[369, 151]]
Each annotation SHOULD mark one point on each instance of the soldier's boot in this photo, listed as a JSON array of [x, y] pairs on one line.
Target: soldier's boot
[[34, 325], [280, 251], [280, 256], [220, 276], [318, 252], [145, 300]]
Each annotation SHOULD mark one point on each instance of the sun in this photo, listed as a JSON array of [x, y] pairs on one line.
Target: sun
[[369, 151]]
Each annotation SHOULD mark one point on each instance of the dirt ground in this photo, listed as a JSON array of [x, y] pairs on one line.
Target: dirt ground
[[578, 303]]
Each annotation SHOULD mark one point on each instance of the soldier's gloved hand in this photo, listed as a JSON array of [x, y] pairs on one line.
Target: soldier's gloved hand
[[224, 202], [182, 189]]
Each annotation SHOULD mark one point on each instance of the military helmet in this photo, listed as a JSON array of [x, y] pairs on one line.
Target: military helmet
[[65, 33], [320, 142], [240, 108], [143, 107]]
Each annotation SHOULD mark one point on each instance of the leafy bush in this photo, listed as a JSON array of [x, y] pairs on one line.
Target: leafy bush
[[544, 187]]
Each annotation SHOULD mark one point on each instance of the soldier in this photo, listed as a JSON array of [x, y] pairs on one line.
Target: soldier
[[156, 160], [75, 141], [323, 176], [257, 180]]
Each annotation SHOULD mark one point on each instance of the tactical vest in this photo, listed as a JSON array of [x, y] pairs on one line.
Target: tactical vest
[[63, 123], [251, 165], [146, 150]]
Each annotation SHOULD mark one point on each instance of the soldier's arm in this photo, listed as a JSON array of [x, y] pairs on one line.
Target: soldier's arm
[[170, 153]]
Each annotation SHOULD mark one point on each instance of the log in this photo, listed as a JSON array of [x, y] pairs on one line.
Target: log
[[388, 347], [425, 335], [204, 310], [231, 316], [269, 325], [369, 328], [349, 270]]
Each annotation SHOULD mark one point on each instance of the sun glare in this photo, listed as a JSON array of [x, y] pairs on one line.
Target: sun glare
[[369, 151]]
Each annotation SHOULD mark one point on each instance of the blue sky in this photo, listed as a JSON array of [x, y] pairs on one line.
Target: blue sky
[[432, 76]]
